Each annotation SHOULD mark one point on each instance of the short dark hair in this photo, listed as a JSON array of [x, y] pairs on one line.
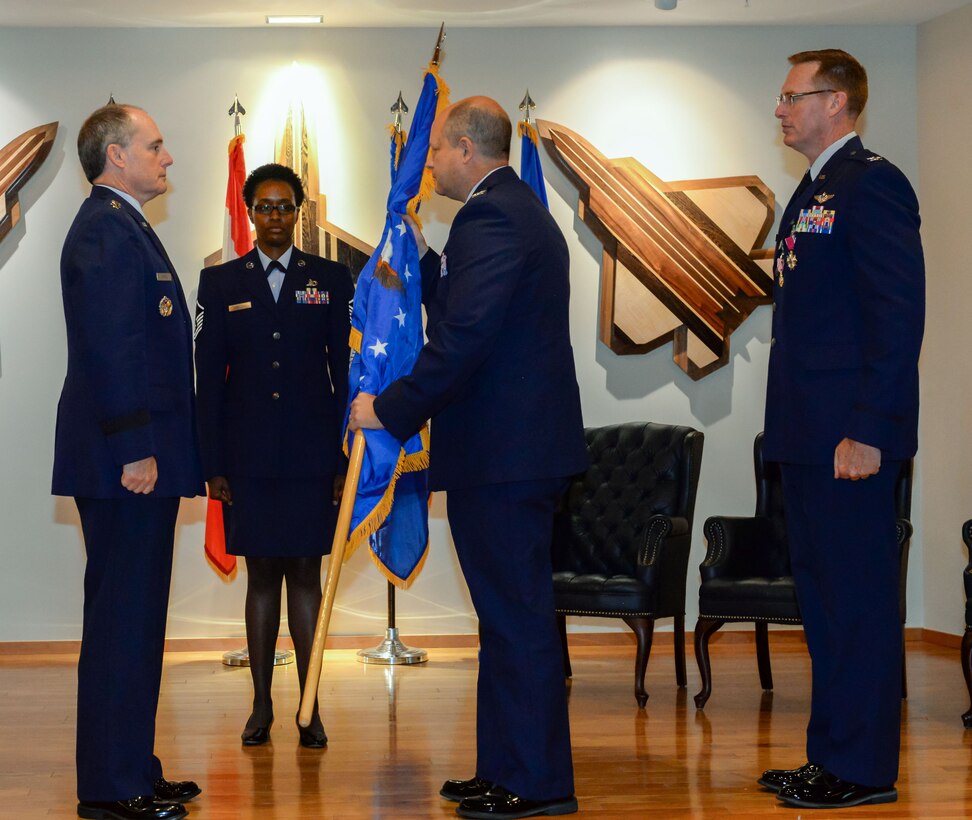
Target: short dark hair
[[277, 173], [490, 130], [841, 72], [110, 124]]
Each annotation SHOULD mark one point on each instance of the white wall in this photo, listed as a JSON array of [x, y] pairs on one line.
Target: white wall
[[688, 103], [945, 111]]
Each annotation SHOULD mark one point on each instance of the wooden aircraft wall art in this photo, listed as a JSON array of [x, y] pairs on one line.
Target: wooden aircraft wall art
[[19, 159], [683, 261]]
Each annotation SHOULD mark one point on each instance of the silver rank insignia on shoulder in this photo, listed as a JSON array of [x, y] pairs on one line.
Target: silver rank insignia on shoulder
[[478, 193], [249, 266], [144, 224], [115, 204], [822, 198], [301, 263], [875, 158], [165, 306]]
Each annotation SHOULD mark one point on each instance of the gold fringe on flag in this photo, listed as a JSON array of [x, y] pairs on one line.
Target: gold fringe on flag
[[400, 136], [526, 129], [370, 525], [427, 185]]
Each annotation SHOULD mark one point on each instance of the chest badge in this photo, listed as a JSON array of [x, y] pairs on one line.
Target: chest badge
[[165, 306], [822, 198]]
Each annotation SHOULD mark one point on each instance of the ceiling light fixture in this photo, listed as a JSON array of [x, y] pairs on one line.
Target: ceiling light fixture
[[666, 5], [294, 19]]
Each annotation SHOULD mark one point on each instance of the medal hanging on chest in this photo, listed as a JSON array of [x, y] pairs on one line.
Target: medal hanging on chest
[[785, 255]]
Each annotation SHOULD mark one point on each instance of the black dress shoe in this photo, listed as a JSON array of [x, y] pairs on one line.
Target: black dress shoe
[[459, 790], [257, 736], [776, 779], [312, 738], [137, 808], [175, 791], [498, 802], [827, 791]]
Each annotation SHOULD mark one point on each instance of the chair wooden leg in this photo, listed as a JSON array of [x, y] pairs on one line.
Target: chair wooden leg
[[680, 678], [643, 629], [562, 625], [704, 629], [967, 671], [763, 655]]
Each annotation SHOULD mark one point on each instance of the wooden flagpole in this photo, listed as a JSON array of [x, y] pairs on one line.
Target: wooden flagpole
[[338, 545]]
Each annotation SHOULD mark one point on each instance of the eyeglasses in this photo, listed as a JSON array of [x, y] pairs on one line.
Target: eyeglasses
[[266, 208], [789, 99]]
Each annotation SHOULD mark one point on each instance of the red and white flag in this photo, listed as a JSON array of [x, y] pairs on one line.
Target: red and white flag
[[237, 241]]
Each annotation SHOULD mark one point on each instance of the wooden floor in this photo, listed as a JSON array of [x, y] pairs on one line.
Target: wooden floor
[[396, 733]]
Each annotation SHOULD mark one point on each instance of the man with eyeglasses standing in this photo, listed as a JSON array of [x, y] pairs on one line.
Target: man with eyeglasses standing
[[272, 382], [841, 416]]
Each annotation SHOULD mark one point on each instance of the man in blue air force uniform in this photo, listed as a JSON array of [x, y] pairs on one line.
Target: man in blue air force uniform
[[125, 448], [841, 415], [497, 380]]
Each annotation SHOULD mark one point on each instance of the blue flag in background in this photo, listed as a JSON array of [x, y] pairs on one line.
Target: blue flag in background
[[391, 506], [531, 172]]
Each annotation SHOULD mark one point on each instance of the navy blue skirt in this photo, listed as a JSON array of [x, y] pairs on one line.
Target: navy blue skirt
[[278, 518]]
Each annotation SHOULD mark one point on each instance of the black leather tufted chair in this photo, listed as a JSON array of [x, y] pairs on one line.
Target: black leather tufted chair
[[746, 571], [967, 637], [621, 543]]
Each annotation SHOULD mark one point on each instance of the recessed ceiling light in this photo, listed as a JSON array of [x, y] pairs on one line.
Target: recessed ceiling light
[[294, 19], [666, 5]]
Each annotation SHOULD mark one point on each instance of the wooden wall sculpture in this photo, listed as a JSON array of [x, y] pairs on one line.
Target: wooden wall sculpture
[[19, 159], [682, 261]]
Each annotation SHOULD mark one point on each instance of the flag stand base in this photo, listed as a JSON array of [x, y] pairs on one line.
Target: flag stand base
[[241, 657], [392, 651]]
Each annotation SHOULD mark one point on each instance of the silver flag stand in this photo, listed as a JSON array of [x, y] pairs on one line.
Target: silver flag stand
[[241, 657], [391, 650]]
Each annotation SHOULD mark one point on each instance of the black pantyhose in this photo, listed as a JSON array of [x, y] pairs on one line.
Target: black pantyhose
[[265, 578]]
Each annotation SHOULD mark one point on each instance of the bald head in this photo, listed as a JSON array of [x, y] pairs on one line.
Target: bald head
[[484, 122], [469, 139]]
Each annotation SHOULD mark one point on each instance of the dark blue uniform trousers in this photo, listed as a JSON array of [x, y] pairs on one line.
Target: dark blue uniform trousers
[[846, 567], [126, 593], [502, 534]]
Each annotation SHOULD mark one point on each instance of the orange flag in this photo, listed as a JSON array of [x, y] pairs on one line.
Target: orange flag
[[237, 241]]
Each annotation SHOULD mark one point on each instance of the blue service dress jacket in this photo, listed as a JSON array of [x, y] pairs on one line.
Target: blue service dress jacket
[[497, 374], [128, 391], [272, 377], [848, 315]]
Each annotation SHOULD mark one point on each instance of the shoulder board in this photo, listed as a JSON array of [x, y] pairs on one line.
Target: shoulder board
[[863, 155]]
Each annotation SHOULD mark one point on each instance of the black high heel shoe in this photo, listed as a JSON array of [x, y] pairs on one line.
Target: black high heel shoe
[[312, 738], [256, 736]]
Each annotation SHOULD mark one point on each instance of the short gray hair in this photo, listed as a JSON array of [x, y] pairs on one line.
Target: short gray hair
[[490, 130], [110, 124]]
